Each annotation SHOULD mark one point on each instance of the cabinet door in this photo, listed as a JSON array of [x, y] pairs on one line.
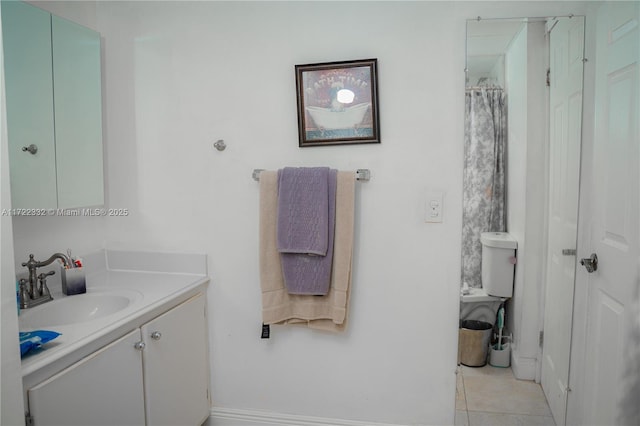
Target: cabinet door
[[176, 366], [29, 98], [78, 114], [105, 388]]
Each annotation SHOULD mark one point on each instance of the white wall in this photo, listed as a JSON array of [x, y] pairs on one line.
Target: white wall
[[178, 76], [526, 194], [229, 75], [11, 407], [516, 77], [528, 350]]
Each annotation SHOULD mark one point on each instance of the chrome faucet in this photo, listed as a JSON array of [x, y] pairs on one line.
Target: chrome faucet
[[34, 291]]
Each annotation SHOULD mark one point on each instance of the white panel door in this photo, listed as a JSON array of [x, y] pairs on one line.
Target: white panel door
[[565, 121], [613, 229], [176, 366], [103, 389]]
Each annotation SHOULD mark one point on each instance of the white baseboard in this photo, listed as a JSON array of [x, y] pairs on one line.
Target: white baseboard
[[239, 417], [523, 368]]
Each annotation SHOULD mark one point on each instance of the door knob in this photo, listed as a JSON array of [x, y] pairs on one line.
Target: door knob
[[139, 345], [156, 335], [591, 263]]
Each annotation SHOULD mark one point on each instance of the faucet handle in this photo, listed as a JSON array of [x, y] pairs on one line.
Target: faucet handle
[[44, 276], [30, 262], [44, 290], [43, 279], [24, 294]]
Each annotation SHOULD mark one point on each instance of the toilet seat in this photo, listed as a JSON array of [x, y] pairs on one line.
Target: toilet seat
[[479, 295], [478, 305]]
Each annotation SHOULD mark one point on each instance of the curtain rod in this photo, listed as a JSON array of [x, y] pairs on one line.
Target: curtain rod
[[362, 175]]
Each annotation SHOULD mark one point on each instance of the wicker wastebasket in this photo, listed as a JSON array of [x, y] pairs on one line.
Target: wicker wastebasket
[[473, 342]]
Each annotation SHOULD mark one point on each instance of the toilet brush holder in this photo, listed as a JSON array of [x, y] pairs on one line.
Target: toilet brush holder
[[500, 357]]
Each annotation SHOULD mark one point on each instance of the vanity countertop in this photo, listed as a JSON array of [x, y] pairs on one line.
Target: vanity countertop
[[155, 282]]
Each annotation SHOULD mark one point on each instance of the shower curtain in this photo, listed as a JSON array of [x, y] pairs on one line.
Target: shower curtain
[[484, 188]]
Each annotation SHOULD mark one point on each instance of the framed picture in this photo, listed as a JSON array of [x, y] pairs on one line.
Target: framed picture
[[338, 103]]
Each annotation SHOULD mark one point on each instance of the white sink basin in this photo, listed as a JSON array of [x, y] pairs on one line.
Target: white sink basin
[[66, 310]]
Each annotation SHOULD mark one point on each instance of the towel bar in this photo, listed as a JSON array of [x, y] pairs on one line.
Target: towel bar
[[361, 174]]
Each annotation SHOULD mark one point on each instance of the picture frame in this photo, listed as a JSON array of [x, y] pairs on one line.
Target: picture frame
[[338, 103]]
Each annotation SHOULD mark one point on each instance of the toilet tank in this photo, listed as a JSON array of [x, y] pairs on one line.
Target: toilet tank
[[498, 263]]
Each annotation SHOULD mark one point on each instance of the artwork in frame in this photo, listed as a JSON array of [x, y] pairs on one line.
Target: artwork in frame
[[338, 103]]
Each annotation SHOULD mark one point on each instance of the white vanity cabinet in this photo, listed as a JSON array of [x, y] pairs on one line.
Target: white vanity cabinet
[[157, 374], [176, 366], [54, 109], [106, 388]]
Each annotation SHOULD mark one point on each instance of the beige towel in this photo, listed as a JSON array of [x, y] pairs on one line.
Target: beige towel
[[327, 312]]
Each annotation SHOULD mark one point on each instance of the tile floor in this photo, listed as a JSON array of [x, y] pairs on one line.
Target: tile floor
[[492, 396]]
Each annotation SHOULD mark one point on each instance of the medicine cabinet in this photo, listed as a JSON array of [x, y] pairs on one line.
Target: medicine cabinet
[[54, 109]]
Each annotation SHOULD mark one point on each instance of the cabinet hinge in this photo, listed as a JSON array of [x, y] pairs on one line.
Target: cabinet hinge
[[28, 420], [541, 338], [548, 77]]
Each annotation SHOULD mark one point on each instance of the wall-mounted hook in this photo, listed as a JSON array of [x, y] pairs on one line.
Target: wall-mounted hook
[[220, 145]]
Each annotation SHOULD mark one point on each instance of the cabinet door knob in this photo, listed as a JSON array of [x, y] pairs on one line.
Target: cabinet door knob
[[32, 149], [156, 335], [140, 345]]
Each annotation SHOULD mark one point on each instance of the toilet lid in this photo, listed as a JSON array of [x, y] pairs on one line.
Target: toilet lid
[[498, 240]]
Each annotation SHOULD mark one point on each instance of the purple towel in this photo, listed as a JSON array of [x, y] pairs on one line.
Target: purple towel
[[303, 210], [311, 275]]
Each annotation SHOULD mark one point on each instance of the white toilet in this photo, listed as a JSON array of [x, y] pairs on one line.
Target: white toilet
[[478, 305], [498, 260]]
